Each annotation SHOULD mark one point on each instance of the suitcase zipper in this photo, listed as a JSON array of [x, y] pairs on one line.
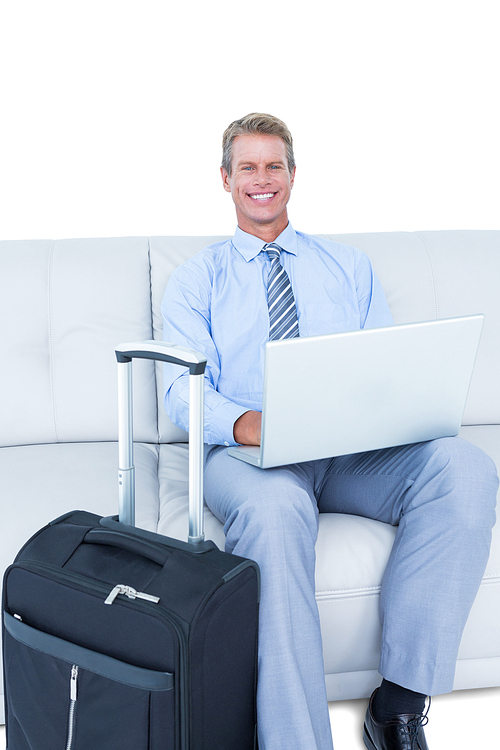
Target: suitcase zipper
[[84, 584], [131, 593], [73, 690]]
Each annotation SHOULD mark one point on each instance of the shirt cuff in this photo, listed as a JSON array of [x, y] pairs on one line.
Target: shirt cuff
[[220, 423]]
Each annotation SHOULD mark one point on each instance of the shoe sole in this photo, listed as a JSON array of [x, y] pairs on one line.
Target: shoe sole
[[367, 740]]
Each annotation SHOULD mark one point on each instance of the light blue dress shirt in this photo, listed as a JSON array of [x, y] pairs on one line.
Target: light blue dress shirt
[[216, 303]]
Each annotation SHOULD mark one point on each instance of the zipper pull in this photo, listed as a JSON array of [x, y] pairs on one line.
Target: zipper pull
[[73, 683], [146, 597], [113, 594], [130, 593]]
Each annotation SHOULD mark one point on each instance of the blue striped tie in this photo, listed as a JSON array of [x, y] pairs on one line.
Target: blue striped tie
[[281, 302]]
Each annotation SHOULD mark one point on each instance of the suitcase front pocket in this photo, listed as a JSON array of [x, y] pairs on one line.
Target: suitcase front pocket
[[61, 695]]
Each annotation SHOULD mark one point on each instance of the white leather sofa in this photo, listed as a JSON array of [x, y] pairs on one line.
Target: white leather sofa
[[66, 304]]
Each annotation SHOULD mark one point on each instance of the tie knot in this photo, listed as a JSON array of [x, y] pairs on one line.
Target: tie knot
[[273, 250]]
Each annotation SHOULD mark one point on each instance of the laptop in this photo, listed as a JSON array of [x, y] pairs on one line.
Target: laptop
[[362, 390]]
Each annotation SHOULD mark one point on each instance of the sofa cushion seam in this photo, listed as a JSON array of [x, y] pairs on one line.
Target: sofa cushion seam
[[151, 322], [321, 599], [433, 277], [364, 591], [51, 341]]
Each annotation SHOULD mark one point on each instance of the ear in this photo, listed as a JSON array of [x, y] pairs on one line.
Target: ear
[[292, 178], [225, 180]]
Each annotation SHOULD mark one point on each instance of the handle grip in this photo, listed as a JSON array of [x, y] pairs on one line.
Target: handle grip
[[164, 352], [110, 525], [129, 543]]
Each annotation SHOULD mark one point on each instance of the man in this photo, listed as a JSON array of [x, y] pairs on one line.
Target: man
[[440, 494]]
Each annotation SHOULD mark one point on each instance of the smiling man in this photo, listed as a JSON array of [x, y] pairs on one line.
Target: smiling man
[[271, 282], [260, 180]]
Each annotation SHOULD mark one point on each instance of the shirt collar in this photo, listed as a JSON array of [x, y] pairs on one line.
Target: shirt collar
[[250, 246]]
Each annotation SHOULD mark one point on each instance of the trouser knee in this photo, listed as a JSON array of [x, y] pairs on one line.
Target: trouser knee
[[278, 520], [465, 482]]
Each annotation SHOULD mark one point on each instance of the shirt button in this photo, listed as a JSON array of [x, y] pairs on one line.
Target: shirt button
[[226, 443]]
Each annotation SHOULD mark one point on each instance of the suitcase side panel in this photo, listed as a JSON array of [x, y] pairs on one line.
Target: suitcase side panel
[[223, 667]]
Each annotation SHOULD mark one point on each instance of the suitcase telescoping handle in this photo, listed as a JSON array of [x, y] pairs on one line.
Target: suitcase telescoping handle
[[164, 352]]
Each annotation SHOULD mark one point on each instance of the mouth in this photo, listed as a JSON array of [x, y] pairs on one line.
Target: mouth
[[261, 196]]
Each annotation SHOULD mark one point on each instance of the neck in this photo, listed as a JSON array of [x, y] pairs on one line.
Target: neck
[[265, 233]]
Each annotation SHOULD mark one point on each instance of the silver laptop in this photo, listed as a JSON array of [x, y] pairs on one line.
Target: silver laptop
[[363, 390]]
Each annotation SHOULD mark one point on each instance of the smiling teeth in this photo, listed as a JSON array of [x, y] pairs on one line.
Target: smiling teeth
[[263, 197]]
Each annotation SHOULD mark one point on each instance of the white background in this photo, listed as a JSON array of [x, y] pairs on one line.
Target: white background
[[112, 112]]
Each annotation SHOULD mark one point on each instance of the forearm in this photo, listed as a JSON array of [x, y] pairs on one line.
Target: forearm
[[247, 428]]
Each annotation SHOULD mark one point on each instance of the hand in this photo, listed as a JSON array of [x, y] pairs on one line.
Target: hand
[[246, 429]]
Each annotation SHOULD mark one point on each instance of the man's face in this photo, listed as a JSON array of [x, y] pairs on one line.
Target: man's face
[[260, 184]]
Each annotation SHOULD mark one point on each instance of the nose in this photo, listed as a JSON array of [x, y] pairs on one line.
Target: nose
[[261, 176]]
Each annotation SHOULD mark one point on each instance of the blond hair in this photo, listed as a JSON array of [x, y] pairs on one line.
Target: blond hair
[[253, 124]]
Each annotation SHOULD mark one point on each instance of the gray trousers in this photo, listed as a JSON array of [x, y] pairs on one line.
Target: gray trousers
[[440, 494]]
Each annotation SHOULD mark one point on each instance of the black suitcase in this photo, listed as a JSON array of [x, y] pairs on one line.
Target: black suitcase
[[115, 638]]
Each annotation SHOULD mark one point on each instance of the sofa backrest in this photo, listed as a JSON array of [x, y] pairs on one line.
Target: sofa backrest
[[65, 304], [63, 307]]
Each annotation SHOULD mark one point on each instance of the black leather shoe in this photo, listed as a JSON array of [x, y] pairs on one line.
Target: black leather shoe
[[404, 732]]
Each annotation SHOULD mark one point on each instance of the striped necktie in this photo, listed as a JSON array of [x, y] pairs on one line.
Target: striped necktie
[[281, 302]]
